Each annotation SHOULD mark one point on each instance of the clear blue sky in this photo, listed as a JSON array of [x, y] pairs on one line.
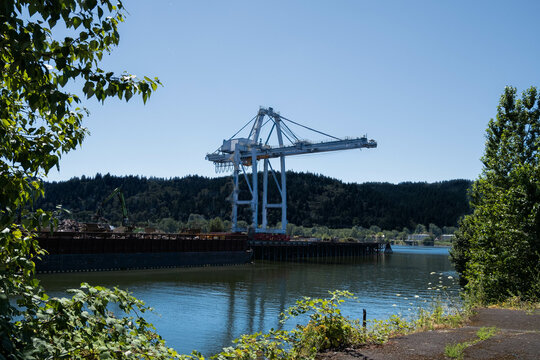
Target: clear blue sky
[[422, 78]]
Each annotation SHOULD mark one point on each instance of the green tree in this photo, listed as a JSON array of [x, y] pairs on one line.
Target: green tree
[[168, 225], [435, 230], [420, 229], [497, 247], [290, 229], [197, 222], [216, 225], [403, 235], [39, 121], [449, 230]]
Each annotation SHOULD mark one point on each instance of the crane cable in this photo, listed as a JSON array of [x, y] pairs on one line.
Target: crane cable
[[284, 133], [306, 127], [290, 131], [243, 127]]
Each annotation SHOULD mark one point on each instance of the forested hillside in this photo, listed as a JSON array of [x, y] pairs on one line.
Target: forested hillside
[[312, 200]]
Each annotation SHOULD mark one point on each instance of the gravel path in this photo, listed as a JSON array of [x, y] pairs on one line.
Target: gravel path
[[518, 337]]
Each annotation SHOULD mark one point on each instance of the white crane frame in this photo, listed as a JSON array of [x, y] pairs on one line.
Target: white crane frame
[[238, 153]]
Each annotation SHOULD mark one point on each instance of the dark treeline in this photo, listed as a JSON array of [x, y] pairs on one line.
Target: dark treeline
[[313, 200]]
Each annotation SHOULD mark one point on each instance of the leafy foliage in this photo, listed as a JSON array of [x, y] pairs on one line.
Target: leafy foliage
[[84, 327], [497, 250], [39, 121], [328, 328]]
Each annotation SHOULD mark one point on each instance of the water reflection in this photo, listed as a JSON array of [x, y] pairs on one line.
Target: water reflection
[[205, 308]]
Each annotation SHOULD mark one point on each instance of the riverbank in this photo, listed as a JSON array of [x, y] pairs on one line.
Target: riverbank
[[513, 334]]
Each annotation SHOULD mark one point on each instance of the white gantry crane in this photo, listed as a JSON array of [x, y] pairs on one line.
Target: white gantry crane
[[238, 153]]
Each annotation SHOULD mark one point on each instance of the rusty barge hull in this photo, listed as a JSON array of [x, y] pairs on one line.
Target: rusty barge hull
[[113, 251]]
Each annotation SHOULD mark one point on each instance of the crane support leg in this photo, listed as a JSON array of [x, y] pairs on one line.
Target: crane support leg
[[283, 196], [255, 190], [283, 178], [265, 196], [236, 190]]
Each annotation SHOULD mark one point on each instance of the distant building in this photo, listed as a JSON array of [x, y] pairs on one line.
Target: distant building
[[446, 237], [418, 237]]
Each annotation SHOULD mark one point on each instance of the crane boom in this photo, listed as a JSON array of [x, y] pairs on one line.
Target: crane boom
[[299, 148], [116, 192], [236, 153]]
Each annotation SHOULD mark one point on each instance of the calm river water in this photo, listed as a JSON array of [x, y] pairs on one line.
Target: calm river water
[[206, 308]]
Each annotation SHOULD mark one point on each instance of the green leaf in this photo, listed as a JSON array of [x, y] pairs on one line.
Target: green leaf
[[76, 21]]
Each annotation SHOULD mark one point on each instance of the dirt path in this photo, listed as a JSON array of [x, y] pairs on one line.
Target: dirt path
[[517, 337]]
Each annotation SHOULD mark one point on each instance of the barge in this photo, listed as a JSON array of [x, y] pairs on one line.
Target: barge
[[101, 251], [301, 250]]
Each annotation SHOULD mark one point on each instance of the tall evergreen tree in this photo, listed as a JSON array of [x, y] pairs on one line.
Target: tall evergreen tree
[[497, 251], [312, 200]]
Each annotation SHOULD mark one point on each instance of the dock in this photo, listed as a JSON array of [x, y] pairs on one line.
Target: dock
[[300, 250]]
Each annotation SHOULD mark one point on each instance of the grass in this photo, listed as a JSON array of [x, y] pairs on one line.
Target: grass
[[456, 351], [516, 303], [486, 332]]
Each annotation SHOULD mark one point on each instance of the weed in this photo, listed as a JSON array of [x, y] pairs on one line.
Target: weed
[[437, 317], [456, 351], [518, 303], [485, 333]]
